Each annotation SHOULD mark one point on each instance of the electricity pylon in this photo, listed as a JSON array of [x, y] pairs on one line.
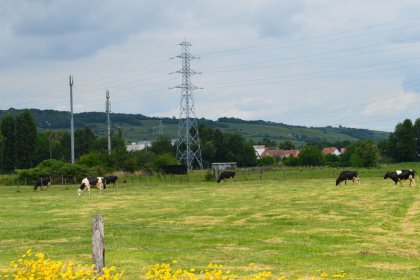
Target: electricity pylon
[[188, 137]]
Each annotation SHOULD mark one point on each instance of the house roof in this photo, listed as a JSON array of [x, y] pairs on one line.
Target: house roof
[[279, 152], [343, 150], [330, 150]]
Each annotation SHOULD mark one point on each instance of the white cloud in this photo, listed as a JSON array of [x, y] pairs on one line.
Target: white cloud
[[316, 48]]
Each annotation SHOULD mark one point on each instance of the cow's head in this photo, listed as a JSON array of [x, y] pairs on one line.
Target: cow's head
[[337, 182], [218, 180], [386, 175], [80, 190]]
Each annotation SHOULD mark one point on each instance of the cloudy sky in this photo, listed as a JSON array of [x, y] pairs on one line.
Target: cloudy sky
[[354, 63]]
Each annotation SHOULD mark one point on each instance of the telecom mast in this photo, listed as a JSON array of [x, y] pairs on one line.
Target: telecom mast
[[71, 119], [187, 129], [108, 110]]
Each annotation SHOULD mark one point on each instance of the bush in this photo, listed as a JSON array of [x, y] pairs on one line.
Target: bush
[[208, 176]]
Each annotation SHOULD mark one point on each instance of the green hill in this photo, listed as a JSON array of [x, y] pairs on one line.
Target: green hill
[[136, 126]]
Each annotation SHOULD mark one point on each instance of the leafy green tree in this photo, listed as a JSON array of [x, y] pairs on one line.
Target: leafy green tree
[[267, 161], [162, 145], [164, 159], [366, 154], [91, 159], [311, 155], [8, 155], [291, 161], [403, 142], [26, 138], [287, 145], [130, 165]]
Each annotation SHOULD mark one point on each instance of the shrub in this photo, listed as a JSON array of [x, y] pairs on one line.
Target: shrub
[[208, 176]]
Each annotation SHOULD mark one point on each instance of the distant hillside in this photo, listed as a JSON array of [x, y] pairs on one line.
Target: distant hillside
[[136, 126]]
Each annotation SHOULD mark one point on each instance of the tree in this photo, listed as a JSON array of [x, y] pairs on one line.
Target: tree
[[267, 161], [84, 141], [366, 154], [403, 143], [26, 139], [162, 145], [287, 145], [42, 151], [164, 159], [311, 155], [417, 136], [8, 143]]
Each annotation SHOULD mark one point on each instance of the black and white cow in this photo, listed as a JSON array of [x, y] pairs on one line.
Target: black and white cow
[[43, 181], [91, 182], [226, 175], [411, 171], [347, 175], [111, 179], [401, 175]]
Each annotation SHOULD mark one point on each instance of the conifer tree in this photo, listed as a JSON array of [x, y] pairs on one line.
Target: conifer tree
[[8, 143], [26, 139]]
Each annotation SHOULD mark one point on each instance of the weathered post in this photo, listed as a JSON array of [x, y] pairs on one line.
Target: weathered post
[[98, 243], [261, 174]]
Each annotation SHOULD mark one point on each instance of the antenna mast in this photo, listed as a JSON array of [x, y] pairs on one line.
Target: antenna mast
[[108, 109], [71, 119]]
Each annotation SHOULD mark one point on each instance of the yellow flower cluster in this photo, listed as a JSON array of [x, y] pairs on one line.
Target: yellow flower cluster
[[213, 272], [28, 269]]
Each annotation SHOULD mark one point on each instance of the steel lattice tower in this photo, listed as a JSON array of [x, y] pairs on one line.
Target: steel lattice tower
[[187, 129]]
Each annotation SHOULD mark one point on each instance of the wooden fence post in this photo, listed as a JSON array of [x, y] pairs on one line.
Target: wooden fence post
[[261, 174], [98, 243]]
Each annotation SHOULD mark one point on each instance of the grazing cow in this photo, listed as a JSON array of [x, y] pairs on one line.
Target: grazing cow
[[91, 182], [111, 179], [347, 175], [226, 175], [43, 181], [401, 175]]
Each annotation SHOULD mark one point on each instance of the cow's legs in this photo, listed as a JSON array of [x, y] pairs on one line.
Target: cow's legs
[[234, 179], [401, 184], [358, 180]]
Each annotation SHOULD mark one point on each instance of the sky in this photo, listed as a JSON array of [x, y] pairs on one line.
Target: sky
[[353, 63]]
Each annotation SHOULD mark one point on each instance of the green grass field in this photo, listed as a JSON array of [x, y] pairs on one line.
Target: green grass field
[[294, 225]]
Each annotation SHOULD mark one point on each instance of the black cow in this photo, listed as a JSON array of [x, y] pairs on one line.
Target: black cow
[[401, 175], [111, 179], [91, 182], [226, 175], [347, 175], [43, 181]]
